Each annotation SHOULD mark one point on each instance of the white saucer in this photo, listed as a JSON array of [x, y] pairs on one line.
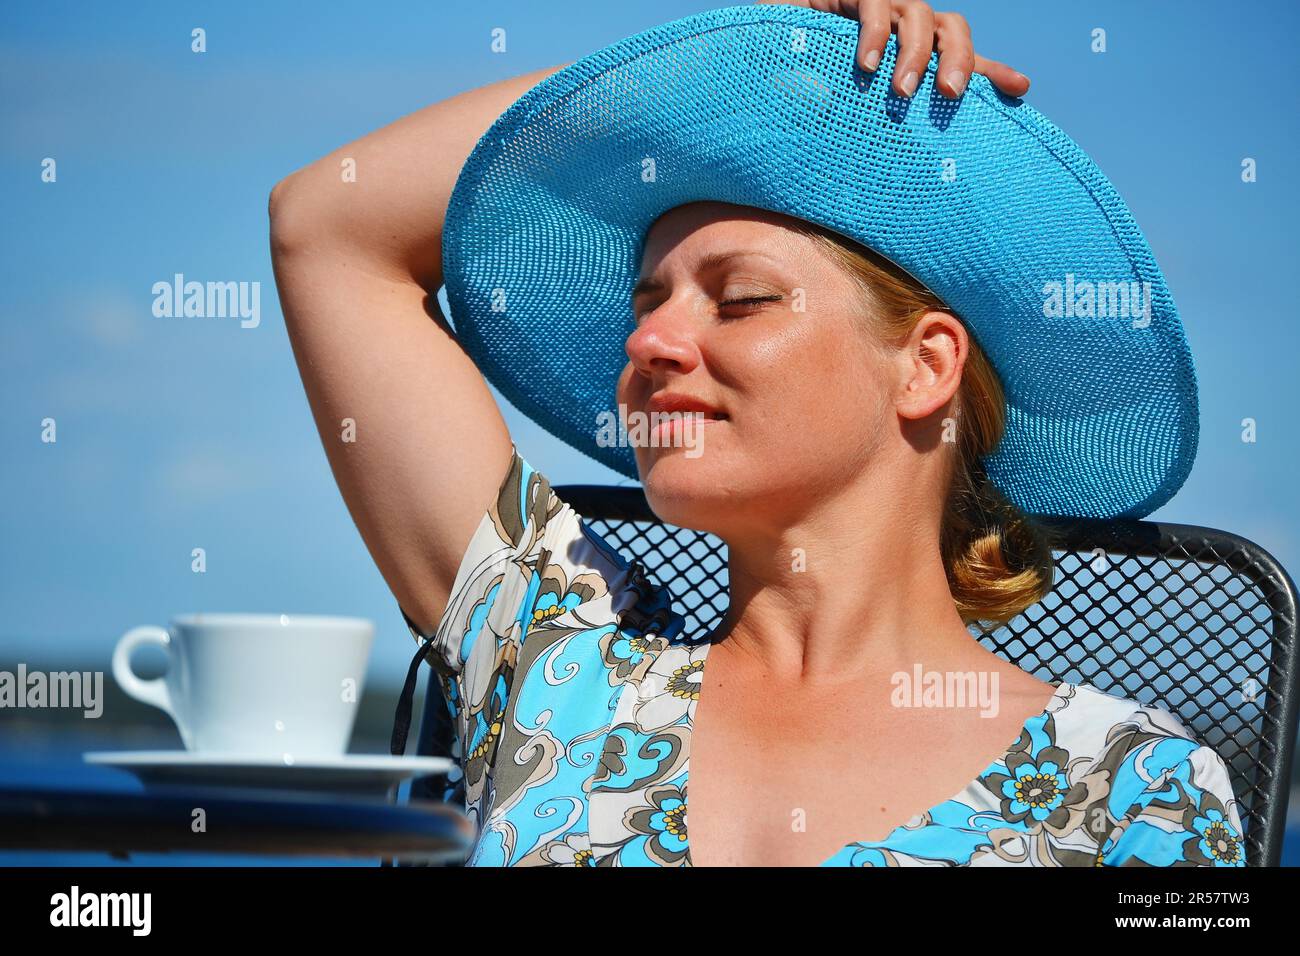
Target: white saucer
[[349, 773]]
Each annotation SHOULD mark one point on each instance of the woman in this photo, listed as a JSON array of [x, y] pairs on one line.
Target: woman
[[841, 435]]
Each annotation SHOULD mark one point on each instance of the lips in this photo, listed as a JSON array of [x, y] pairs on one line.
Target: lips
[[673, 402]]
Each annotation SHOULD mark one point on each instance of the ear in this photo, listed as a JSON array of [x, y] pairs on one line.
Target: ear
[[933, 359]]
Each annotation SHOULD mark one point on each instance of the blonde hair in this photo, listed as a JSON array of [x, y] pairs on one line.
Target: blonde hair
[[997, 558]]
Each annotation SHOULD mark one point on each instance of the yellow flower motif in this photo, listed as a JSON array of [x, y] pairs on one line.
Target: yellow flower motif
[[1222, 843], [542, 615], [1036, 790], [494, 731], [675, 821], [680, 685]]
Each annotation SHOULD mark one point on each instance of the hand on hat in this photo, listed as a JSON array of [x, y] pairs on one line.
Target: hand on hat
[[920, 31]]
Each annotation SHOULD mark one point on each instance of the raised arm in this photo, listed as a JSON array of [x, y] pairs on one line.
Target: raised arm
[[358, 265]]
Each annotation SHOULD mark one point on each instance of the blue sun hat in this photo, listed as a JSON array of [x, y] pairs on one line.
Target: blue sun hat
[[981, 199]]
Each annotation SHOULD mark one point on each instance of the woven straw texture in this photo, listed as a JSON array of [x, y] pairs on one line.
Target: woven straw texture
[[982, 199]]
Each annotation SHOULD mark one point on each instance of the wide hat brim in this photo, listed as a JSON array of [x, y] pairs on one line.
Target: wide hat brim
[[982, 199]]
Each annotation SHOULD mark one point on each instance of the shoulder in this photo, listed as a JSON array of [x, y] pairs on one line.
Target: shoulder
[[532, 561], [530, 517], [1144, 738], [1124, 750], [1161, 792]]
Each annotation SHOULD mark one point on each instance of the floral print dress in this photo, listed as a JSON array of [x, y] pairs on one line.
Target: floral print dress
[[572, 691]]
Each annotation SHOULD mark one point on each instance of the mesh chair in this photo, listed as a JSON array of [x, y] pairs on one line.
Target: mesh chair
[[1197, 621]]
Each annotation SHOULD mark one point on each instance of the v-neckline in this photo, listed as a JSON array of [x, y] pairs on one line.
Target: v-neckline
[[1060, 689]]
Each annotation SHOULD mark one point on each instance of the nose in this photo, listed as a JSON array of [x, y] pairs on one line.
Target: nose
[[666, 338]]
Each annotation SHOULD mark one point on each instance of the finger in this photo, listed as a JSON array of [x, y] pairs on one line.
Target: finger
[[914, 24], [873, 32], [956, 54], [1009, 81]]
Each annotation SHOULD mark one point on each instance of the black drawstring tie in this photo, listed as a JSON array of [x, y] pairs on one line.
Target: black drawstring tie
[[661, 620], [406, 702]]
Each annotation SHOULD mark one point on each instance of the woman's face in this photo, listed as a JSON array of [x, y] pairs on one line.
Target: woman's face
[[740, 313]]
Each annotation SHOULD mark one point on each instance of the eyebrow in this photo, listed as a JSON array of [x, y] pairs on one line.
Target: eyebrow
[[707, 262]]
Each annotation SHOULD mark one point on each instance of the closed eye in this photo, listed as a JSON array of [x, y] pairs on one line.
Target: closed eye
[[752, 300]]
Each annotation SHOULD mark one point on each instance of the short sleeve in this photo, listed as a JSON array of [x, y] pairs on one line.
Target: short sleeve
[[512, 579], [498, 581], [1187, 816]]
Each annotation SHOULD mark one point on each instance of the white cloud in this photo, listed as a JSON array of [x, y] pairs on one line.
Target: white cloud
[[109, 318], [204, 474]]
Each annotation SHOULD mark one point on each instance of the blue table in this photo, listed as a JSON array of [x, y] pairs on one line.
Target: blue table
[[254, 822]]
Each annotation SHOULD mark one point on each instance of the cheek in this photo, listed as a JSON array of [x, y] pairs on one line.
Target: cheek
[[810, 381]]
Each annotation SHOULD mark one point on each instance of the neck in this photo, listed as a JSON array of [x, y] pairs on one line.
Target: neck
[[845, 592]]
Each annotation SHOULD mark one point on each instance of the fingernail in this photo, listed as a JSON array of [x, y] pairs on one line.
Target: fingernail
[[909, 83], [872, 60], [957, 80]]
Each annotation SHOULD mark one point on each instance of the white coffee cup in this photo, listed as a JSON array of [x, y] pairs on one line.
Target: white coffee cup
[[283, 685]]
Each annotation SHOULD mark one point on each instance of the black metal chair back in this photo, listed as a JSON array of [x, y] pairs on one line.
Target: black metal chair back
[[1197, 621]]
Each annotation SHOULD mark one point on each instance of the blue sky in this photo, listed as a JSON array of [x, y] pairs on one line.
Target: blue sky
[[178, 433]]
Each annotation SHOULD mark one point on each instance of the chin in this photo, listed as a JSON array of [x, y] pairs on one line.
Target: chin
[[686, 491]]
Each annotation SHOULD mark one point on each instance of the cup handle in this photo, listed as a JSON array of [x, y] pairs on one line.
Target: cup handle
[[150, 691]]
